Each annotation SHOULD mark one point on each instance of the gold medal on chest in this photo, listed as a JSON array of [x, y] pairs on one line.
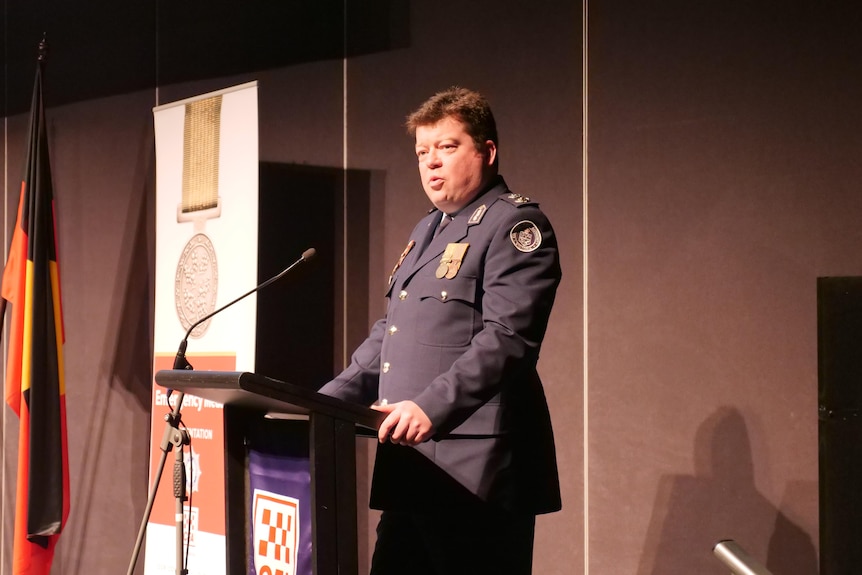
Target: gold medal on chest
[[450, 262]]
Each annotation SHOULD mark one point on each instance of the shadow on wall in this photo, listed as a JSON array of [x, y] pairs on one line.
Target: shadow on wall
[[692, 513], [123, 388]]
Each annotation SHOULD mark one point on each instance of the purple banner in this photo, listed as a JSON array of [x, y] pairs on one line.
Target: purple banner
[[280, 513]]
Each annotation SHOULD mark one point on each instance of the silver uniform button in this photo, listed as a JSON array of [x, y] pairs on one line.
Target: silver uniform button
[[386, 367], [443, 295], [392, 329], [402, 295]]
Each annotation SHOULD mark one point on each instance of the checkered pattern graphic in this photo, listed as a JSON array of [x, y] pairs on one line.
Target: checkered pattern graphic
[[190, 524], [276, 533], [275, 544]]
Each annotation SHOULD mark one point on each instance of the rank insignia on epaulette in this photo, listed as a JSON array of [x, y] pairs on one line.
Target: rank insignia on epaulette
[[526, 236], [477, 215], [518, 198], [451, 260]]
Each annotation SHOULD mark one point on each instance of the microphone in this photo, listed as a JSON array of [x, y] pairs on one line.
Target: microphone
[[180, 361]]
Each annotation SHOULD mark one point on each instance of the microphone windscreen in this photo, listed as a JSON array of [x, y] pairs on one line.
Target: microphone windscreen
[[309, 254]]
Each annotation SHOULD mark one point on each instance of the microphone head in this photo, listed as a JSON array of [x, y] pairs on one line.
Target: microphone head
[[309, 254]]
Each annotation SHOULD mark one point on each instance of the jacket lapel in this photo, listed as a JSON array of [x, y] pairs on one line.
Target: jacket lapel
[[453, 233]]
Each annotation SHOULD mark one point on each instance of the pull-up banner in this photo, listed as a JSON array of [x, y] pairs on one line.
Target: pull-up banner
[[279, 483], [206, 256]]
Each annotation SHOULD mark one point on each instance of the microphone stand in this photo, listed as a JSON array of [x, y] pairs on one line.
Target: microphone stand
[[174, 437]]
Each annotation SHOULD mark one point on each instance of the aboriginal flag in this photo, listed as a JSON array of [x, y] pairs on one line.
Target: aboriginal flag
[[35, 389]]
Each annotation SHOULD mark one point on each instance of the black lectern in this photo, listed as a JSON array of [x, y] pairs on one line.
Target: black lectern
[[332, 448]]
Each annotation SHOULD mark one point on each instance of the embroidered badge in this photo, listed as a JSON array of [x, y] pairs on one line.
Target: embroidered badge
[[477, 215], [451, 260], [401, 260], [526, 236]]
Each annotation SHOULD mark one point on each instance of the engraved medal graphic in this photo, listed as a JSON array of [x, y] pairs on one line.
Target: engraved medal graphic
[[196, 281]]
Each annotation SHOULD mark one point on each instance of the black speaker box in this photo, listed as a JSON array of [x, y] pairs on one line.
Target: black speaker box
[[839, 352]]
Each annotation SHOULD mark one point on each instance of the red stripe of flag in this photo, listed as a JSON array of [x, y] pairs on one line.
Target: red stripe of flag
[[35, 387]]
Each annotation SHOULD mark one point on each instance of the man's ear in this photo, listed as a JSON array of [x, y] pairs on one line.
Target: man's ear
[[491, 152]]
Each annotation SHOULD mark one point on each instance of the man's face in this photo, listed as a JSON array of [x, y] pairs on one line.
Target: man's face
[[453, 171]]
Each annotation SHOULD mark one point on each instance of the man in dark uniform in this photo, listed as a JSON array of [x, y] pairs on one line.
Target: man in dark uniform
[[466, 456]]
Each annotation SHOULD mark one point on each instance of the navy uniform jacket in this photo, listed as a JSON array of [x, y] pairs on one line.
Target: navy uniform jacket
[[464, 348]]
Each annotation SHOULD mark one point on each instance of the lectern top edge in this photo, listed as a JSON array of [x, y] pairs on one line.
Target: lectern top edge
[[252, 391]]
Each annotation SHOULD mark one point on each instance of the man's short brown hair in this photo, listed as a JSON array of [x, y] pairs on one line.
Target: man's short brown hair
[[467, 106]]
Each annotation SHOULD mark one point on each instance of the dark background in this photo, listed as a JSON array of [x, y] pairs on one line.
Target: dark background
[[102, 48], [699, 160]]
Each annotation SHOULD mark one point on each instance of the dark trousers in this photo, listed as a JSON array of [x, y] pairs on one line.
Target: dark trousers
[[489, 541]]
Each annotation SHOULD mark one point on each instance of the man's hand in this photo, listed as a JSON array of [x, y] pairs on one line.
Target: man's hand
[[405, 423]]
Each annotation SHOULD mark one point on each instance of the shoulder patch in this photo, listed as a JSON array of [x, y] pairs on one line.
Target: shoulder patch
[[525, 236]]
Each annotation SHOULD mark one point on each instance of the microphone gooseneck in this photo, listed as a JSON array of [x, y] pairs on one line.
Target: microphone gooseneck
[[180, 361]]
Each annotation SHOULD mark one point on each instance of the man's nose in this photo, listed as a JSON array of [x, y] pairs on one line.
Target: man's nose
[[432, 159]]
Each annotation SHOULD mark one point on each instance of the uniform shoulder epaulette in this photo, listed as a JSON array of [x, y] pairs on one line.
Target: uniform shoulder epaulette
[[517, 200]]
